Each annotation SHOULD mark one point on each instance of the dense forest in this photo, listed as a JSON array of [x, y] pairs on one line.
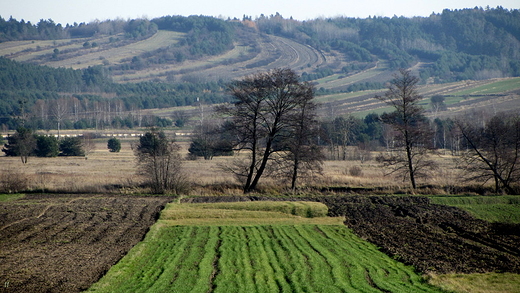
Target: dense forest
[[26, 88], [454, 45]]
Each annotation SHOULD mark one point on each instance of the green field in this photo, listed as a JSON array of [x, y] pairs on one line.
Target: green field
[[494, 87], [10, 197], [256, 247], [490, 208]]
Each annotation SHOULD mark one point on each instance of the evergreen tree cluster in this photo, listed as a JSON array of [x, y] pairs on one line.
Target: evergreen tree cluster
[[14, 30], [25, 143], [22, 85]]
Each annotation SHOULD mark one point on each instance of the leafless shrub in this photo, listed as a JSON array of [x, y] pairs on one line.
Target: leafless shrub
[[13, 180], [355, 171]]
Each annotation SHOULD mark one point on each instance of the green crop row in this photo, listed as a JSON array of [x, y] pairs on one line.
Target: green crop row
[[270, 258], [494, 87]]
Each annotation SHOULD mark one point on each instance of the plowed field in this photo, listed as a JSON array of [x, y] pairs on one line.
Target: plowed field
[[65, 243]]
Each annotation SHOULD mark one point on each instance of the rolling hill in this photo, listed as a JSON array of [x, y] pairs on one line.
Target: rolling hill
[[349, 60]]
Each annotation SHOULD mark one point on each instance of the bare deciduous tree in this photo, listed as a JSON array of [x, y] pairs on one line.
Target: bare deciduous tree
[[60, 111], [413, 139], [263, 114], [303, 156], [492, 151], [160, 162], [88, 143]]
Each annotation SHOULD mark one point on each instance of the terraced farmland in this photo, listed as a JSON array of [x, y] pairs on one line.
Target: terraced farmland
[[253, 254], [497, 94], [274, 52], [74, 55]]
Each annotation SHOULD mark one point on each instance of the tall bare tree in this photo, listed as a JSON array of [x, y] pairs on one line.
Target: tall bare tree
[[263, 112], [303, 155], [413, 139], [60, 111], [89, 144], [493, 151]]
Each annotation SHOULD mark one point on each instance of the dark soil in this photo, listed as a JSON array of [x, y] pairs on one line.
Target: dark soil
[[66, 243], [432, 238]]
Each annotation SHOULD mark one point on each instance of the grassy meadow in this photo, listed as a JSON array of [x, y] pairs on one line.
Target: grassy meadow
[[256, 247]]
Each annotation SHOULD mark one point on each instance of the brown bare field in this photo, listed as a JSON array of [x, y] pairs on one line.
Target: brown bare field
[[52, 243]]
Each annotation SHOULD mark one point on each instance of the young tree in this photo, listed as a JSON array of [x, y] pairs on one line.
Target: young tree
[[114, 145], [160, 162], [89, 144], [46, 146], [493, 151], [60, 110], [71, 146], [264, 110], [22, 143], [413, 138]]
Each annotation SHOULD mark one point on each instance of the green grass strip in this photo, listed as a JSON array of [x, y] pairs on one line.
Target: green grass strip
[[10, 197], [505, 208]]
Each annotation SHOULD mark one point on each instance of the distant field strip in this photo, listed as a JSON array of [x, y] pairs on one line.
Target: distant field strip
[[337, 81], [490, 208], [492, 87], [115, 55], [257, 256]]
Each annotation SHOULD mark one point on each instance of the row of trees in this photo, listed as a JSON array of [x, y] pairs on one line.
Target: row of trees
[[273, 120], [13, 30], [24, 143]]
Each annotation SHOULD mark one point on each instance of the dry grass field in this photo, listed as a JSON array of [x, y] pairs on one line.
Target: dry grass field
[[104, 171]]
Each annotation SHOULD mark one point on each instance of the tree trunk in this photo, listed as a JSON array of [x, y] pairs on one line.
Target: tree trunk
[[295, 173]]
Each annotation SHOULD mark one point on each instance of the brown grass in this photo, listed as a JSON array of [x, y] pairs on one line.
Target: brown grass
[[116, 172], [98, 173]]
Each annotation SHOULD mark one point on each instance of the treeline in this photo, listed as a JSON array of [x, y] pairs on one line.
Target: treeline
[[461, 44], [26, 87], [370, 133], [346, 138], [14, 30]]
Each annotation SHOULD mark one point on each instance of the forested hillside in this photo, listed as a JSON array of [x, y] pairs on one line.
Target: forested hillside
[[460, 44], [175, 61]]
